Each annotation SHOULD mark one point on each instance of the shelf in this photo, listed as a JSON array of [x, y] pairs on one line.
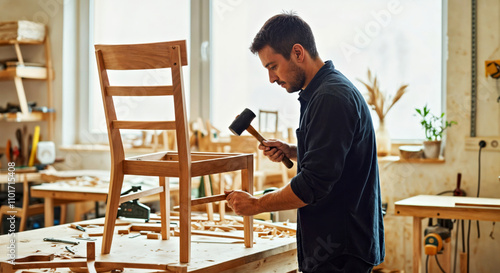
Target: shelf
[[27, 72], [21, 42], [385, 159], [20, 117]]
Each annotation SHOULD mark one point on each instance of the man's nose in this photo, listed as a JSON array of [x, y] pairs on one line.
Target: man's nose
[[272, 77]]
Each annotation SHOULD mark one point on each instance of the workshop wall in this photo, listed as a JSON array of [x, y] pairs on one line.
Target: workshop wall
[[398, 180], [403, 180], [51, 14]]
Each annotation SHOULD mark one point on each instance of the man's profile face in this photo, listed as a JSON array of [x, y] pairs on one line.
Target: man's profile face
[[285, 73]]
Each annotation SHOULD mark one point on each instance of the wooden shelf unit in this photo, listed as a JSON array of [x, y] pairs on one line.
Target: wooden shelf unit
[[22, 72]]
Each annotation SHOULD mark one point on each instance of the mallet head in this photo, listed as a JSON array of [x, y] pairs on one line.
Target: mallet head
[[242, 122]]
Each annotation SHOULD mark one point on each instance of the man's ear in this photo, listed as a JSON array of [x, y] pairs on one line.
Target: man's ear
[[298, 52]]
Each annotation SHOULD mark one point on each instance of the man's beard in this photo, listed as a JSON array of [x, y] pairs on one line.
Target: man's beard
[[297, 78]]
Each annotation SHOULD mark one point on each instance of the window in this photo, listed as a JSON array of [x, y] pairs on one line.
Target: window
[[127, 21], [399, 41]]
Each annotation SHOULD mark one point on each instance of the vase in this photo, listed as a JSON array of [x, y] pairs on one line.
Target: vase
[[432, 149], [383, 140]]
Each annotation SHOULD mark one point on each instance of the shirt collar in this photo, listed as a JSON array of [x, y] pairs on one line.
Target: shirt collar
[[307, 93]]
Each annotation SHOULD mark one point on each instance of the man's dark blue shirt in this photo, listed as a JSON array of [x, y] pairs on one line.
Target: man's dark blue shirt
[[337, 175]]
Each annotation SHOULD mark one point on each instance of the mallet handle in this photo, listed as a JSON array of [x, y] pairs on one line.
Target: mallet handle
[[286, 161]]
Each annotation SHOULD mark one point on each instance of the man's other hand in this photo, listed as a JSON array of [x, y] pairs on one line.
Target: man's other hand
[[242, 203]]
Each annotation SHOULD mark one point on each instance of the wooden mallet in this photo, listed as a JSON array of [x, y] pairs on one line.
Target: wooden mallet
[[242, 123]]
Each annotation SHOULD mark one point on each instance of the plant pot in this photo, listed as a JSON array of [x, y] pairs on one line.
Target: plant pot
[[432, 149], [383, 140]]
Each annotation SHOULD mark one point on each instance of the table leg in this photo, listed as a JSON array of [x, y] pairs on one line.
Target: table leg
[[49, 212], [417, 241]]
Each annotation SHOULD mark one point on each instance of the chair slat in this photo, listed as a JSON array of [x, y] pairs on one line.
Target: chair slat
[[136, 195], [144, 125], [165, 90], [141, 56]]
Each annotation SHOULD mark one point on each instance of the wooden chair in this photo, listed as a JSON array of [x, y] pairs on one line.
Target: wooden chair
[[181, 163], [264, 123]]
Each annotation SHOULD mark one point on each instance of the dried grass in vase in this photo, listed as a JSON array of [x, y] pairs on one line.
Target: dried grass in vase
[[379, 101]]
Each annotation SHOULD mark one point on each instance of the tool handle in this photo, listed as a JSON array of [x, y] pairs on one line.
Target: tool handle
[[286, 161]]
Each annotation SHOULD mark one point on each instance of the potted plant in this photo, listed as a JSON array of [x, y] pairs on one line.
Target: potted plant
[[434, 127]]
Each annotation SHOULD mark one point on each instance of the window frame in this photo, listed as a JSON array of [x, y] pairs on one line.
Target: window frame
[[200, 93]]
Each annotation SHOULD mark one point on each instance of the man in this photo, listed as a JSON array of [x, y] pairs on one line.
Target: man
[[336, 189]]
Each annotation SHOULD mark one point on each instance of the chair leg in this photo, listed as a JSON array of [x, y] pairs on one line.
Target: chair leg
[[222, 204], [247, 185], [185, 218], [26, 203], [115, 187], [62, 217], [165, 208], [208, 192]]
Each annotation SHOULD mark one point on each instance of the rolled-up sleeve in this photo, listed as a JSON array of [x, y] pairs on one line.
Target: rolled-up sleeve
[[324, 139]]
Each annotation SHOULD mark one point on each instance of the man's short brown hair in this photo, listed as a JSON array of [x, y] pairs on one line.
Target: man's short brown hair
[[281, 32]]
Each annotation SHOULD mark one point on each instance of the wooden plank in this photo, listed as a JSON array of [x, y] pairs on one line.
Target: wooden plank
[[97, 264], [152, 156], [247, 185], [183, 148], [478, 205], [444, 207], [417, 244], [49, 264], [91, 257], [164, 90], [209, 199], [21, 95], [208, 193], [136, 195], [283, 262], [214, 234], [220, 165], [143, 125], [165, 208], [151, 168]]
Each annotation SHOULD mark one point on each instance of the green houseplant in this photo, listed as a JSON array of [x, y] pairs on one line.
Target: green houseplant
[[434, 128]]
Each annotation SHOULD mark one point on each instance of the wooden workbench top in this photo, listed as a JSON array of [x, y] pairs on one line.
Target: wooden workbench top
[[448, 201], [450, 207], [206, 256]]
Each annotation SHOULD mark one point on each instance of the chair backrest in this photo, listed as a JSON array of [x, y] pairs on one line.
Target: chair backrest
[[171, 55], [264, 116]]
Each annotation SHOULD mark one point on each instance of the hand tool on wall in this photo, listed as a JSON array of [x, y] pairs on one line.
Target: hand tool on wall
[[19, 137], [8, 151], [30, 145], [36, 137], [242, 123]]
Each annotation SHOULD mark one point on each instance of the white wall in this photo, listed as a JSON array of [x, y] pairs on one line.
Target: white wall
[[402, 180], [50, 13]]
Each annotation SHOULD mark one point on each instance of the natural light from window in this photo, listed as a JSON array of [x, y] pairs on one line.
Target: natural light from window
[[129, 22], [400, 41]]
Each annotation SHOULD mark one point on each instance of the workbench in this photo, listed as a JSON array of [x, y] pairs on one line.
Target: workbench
[[209, 254], [444, 207], [64, 192]]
